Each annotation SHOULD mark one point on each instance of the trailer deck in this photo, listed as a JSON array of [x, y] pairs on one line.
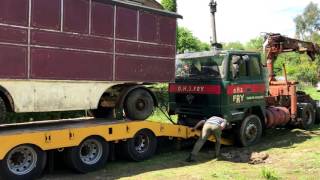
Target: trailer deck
[[73, 134]]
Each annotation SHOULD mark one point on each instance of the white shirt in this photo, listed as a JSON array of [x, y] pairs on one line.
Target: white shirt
[[215, 120]]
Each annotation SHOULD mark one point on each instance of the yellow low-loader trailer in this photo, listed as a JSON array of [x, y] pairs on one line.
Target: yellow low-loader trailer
[[85, 142]]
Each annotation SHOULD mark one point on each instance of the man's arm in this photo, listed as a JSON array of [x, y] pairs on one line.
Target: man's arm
[[223, 125], [199, 124]]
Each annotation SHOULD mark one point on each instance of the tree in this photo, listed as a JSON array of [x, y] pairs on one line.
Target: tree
[[299, 67], [170, 5], [255, 44], [187, 42], [308, 23], [233, 46]]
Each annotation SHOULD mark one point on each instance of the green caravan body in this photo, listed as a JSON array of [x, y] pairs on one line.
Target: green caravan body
[[229, 84]]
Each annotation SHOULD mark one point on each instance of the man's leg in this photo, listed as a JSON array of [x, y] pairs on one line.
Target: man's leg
[[217, 133], [202, 139]]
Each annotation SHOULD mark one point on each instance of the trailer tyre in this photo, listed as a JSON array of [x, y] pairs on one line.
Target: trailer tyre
[[23, 162], [250, 131], [139, 105], [141, 147], [90, 155], [307, 115], [3, 111]]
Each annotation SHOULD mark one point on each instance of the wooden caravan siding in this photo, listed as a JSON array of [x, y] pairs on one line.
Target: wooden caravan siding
[[85, 40], [76, 65], [102, 19], [46, 14], [13, 62], [14, 12]]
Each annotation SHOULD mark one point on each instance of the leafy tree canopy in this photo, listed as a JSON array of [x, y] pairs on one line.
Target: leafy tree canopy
[[308, 23], [233, 46], [186, 41], [170, 5]]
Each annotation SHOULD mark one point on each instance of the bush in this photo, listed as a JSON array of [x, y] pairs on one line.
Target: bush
[[299, 67]]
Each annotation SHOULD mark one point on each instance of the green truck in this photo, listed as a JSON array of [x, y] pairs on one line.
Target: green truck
[[237, 86]]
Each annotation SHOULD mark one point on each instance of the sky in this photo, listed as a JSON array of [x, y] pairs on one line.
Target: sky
[[241, 20]]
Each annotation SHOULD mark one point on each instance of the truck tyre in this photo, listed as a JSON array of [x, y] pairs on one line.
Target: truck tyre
[[3, 111], [141, 147], [90, 155], [250, 131], [23, 162], [307, 116], [138, 105], [317, 120]]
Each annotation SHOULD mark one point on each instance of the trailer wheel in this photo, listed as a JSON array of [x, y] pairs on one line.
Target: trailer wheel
[[90, 155], [250, 131], [307, 116], [3, 111], [141, 147], [23, 162], [138, 105]]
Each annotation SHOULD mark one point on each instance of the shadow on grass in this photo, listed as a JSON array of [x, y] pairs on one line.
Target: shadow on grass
[[282, 138], [169, 157]]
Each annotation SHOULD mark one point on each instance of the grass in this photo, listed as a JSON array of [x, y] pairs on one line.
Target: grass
[[269, 174]]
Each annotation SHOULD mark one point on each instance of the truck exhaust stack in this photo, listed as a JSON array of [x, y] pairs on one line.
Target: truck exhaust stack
[[213, 10]]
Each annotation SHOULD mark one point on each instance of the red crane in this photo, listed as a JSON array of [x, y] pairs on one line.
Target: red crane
[[283, 93]]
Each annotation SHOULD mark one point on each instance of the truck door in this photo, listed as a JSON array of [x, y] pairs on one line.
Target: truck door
[[246, 87]]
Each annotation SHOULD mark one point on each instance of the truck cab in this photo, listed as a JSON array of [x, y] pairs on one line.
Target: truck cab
[[229, 84]]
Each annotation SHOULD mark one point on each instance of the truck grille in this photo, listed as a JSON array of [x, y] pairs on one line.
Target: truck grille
[[192, 99], [190, 110]]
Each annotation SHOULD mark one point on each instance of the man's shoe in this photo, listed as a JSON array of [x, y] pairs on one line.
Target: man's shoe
[[190, 158]]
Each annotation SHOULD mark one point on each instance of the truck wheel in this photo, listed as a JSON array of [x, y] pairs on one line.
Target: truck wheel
[[142, 146], [250, 131], [23, 162], [90, 155], [138, 105], [317, 120], [307, 116], [3, 111]]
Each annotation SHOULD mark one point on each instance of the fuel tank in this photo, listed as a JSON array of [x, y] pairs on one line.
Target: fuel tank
[[277, 116]]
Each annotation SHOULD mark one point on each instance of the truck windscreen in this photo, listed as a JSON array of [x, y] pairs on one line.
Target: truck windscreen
[[201, 67]]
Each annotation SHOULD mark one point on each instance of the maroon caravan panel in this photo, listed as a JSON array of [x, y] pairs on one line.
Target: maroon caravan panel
[[13, 35], [130, 68], [126, 23], [70, 65], [76, 16], [102, 19], [167, 30], [148, 27], [145, 41], [74, 41], [46, 14], [13, 61], [145, 49], [14, 12]]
